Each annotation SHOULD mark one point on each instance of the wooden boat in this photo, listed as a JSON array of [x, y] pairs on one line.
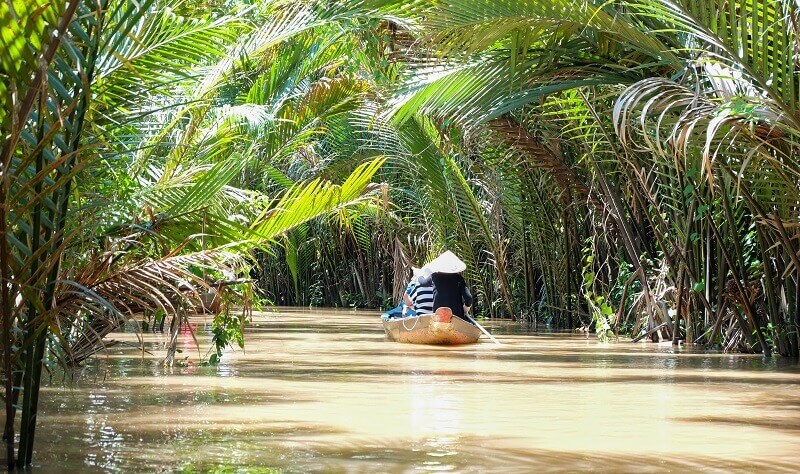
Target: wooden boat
[[440, 328]]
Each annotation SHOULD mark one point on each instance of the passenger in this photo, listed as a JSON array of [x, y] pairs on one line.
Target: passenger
[[449, 288], [418, 297]]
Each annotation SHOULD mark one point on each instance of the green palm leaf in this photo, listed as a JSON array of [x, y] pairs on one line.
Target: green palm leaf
[[305, 202]]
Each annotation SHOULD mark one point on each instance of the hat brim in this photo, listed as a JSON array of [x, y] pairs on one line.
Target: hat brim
[[447, 262]]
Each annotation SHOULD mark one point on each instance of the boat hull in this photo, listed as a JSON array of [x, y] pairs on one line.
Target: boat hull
[[433, 329]]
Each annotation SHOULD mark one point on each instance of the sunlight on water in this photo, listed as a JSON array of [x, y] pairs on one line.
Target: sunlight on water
[[324, 391]]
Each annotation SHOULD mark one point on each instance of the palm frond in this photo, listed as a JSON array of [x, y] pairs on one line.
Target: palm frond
[[305, 202], [97, 301]]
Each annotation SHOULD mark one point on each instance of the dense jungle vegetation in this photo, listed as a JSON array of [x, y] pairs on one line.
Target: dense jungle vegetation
[[628, 165]]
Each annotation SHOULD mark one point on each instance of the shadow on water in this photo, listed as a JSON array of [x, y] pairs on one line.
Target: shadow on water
[[786, 422], [467, 454], [323, 371]]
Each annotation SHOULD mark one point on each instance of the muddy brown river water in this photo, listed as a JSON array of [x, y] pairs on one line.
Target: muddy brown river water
[[323, 391]]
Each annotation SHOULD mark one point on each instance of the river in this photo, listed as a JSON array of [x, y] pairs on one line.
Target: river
[[323, 391]]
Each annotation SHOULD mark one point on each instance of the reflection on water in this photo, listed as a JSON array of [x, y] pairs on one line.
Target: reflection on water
[[323, 391]]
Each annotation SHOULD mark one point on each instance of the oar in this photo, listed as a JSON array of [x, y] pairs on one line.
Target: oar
[[466, 315]]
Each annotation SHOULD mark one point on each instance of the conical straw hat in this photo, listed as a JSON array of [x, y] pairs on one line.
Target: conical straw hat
[[447, 262]]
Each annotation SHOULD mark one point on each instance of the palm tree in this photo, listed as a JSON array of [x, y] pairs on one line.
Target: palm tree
[[694, 174], [104, 75]]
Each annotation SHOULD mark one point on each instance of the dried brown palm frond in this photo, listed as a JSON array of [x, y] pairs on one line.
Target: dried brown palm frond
[[101, 299], [539, 156]]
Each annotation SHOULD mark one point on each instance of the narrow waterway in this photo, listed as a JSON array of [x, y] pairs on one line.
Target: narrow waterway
[[323, 391]]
